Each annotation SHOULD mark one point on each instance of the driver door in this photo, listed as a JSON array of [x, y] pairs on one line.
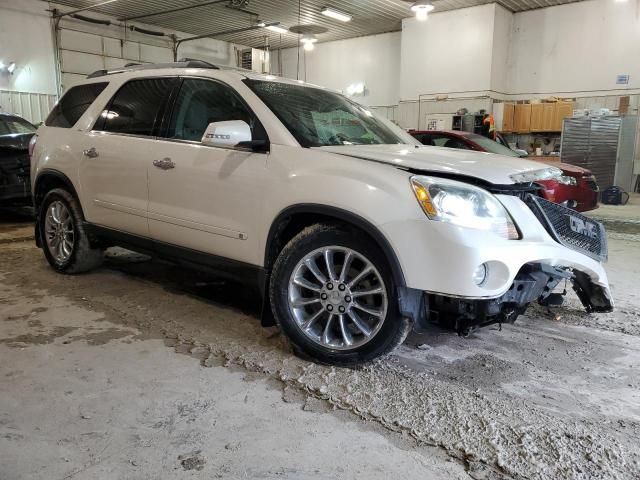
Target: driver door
[[205, 198]]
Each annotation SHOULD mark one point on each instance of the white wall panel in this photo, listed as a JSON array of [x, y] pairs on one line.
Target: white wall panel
[[80, 42], [131, 50], [153, 54], [578, 47], [77, 62], [71, 79], [113, 47], [451, 52], [373, 60], [33, 106], [25, 38]]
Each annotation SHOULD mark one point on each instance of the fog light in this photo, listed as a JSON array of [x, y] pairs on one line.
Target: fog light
[[480, 275]]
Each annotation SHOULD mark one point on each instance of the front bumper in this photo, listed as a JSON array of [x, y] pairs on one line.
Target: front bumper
[[440, 258]]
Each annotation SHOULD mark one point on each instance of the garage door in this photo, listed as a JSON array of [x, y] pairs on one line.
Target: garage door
[[82, 52]]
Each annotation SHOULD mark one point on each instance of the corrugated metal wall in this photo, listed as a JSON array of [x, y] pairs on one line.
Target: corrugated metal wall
[[592, 142], [33, 106]]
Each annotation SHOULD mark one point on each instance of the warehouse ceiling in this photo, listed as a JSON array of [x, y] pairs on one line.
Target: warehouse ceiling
[[369, 16]]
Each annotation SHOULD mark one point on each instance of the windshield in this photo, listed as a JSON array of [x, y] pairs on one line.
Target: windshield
[[492, 146], [318, 118], [14, 125]]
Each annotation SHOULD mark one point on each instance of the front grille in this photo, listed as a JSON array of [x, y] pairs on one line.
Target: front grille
[[570, 228], [592, 184], [520, 190]]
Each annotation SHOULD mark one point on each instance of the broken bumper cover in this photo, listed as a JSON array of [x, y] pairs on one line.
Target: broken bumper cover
[[440, 259]]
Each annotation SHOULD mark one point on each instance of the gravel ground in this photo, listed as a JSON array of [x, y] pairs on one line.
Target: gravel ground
[[555, 396]]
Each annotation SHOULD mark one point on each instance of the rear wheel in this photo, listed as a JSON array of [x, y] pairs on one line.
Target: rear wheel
[[333, 295], [64, 239]]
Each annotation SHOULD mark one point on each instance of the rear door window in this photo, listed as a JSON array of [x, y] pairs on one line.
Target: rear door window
[[73, 104], [137, 107]]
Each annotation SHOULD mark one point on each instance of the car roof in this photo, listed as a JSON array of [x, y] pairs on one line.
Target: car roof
[[190, 66]]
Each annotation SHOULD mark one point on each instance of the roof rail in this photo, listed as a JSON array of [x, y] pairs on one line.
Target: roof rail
[[184, 63]]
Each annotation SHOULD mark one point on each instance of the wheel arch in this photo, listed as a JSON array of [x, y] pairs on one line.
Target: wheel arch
[[294, 218], [49, 179]]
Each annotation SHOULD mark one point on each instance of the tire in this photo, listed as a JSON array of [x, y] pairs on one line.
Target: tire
[[296, 307], [81, 257]]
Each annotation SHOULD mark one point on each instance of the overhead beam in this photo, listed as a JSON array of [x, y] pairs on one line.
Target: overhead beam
[[91, 7], [179, 9]]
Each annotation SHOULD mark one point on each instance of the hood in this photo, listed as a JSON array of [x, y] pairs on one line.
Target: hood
[[15, 141], [489, 167], [571, 170]]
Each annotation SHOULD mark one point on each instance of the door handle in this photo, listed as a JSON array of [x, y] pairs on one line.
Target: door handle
[[165, 164], [90, 152]]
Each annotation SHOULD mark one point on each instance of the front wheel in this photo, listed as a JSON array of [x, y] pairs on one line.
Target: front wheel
[[333, 294]]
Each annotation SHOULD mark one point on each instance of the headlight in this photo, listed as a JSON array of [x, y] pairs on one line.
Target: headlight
[[535, 175], [463, 204], [566, 180]]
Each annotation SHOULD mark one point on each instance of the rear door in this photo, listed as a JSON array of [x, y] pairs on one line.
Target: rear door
[[208, 199], [118, 152]]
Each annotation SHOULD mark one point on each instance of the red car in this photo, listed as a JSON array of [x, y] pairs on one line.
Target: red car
[[576, 187]]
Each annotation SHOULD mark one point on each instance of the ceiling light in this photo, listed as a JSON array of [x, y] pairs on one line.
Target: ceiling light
[[307, 41], [307, 38], [11, 68], [335, 14], [1, 65], [422, 9], [276, 29], [355, 89], [260, 23]]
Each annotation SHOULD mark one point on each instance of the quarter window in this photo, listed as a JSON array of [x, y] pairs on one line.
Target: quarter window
[[201, 102], [137, 106], [73, 104]]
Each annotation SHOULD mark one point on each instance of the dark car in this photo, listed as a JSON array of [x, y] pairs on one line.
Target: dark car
[[15, 135], [576, 187]]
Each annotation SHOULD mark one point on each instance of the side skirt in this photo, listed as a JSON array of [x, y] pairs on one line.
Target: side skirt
[[245, 273]]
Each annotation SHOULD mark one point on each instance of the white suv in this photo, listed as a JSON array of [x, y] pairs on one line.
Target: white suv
[[353, 231]]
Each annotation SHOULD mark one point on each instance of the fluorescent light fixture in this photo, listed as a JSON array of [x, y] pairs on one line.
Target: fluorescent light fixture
[[422, 9], [355, 89], [260, 23], [277, 29], [337, 15], [306, 38], [11, 68]]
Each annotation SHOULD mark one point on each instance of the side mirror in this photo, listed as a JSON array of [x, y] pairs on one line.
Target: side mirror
[[522, 153], [227, 134]]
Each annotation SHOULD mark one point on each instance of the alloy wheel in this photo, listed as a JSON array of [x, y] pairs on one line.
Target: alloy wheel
[[337, 297], [59, 231]]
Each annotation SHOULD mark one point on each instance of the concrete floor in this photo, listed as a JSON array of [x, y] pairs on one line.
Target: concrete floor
[[144, 370]]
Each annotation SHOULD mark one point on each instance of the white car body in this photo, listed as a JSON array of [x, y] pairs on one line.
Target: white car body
[[225, 201]]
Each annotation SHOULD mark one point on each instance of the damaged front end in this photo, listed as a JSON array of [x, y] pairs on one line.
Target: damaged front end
[[534, 282]]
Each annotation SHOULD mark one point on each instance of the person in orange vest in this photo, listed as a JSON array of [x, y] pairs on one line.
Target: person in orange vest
[[489, 126]]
